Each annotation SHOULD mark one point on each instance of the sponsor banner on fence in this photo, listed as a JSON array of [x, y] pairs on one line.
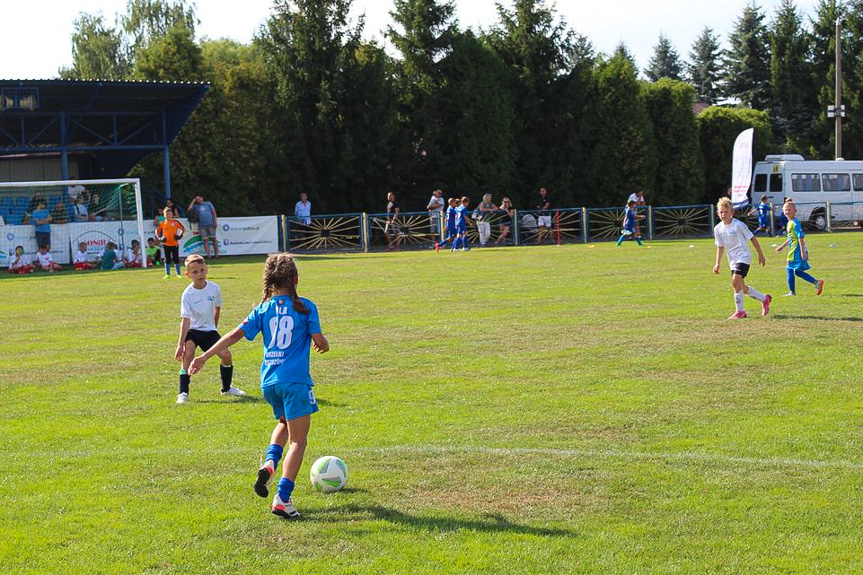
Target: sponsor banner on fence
[[25, 236], [97, 235], [235, 236], [741, 169]]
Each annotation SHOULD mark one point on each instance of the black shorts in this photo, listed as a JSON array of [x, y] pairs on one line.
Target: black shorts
[[739, 269], [203, 339]]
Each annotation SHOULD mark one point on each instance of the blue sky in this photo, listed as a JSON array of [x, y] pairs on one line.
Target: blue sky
[[35, 36]]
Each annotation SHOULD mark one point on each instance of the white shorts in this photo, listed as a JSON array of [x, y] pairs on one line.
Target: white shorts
[[543, 221]]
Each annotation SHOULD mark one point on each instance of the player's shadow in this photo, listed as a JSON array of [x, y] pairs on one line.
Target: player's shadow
[[240, 399], [852, 295], [492, 523], [328, 403], [817, 317]]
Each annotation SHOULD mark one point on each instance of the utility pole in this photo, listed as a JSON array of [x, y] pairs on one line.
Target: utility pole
[[838, 110]]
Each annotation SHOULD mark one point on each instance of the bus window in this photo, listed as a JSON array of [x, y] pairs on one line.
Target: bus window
[[836, 182], [776, 182], [858, 182], [760, 183], [805, 183]]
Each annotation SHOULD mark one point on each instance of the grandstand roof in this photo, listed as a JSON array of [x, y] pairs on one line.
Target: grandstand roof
[[116, 122]]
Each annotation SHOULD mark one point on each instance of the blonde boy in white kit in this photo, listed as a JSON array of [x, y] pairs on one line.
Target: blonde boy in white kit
[[731, 236]]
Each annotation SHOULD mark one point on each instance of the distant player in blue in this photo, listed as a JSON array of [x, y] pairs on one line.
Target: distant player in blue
[[798, 255], [290, 326], [461, 217], [763, 210], [629, 228], [450, 224]]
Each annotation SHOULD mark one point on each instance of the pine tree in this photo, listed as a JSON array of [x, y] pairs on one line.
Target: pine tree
[[823, 55], [665, 62], [790, 76], [747, 63], [704, 70]]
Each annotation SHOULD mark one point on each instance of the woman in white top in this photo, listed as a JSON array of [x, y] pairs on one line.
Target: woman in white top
[[483, 218]]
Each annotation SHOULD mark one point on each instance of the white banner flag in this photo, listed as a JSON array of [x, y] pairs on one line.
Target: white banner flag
[[741, 170]]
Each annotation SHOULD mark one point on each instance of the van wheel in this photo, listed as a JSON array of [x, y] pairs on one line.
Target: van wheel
[[818, 220]]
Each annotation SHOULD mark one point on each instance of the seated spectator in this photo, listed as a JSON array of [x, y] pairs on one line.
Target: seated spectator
[[59, 215], [35, 201], [96, 209], [45, 260], [79, 210], [75, 192], [82, 259], [132, 257], [110, 259], [154, 254], [20, 263]]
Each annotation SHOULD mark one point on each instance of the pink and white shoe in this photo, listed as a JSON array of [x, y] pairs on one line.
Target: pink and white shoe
[[765, 305], [737, 315], [265, 473], [285, 509]]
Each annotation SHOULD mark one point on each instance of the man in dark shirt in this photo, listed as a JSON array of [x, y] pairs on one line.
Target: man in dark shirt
[[543, 215]]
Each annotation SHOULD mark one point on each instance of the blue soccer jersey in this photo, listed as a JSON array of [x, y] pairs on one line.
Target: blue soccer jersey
[[287, 339], [763, 214], [460, 217], [629, 220], [450, 217]]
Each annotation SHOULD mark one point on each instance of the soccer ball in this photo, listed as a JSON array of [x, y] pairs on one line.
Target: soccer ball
[[329, 474]]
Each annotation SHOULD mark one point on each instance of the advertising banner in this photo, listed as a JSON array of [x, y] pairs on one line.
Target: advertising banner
[[25, 236], [741, 170]]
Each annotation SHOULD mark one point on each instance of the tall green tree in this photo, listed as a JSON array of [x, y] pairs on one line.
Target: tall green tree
[[98, 51], [704, 66], [793, 94], [747, 62], [665, 62], [852, 74], [823, 54]]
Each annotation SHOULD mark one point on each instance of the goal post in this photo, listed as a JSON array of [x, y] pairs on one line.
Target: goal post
[[65, 214]]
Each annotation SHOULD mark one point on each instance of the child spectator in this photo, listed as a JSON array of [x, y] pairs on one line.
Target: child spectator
[[82, 259], [110, 259], [450, 224], [41, 219], [731, 236], [132, 257], [169, 232], [763, 210], [80, 210], [45, 261], [290, 327], [798, 255], [154, 254], [629, 227], [20, 263], [200, 308]]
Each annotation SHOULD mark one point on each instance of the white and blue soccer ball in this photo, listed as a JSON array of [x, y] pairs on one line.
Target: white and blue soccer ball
[[329, 474]]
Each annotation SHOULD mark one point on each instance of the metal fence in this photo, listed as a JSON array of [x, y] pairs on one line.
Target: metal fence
[[421, 230]]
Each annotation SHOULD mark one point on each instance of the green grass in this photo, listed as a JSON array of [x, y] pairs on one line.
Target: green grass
[[577, 409]]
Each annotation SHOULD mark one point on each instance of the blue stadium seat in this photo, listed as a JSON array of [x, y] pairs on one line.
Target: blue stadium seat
[[7, 202], [13, 219], [53, 201], [22, 203], [4, 211]]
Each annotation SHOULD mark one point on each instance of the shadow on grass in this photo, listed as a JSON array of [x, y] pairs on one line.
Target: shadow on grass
[[233, 399], [852, 295], [822, 318], [492, 523], [328, 403]]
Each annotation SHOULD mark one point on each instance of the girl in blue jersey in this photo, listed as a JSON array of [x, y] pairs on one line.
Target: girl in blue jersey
[[290, 326], [798, 254], [450, 224]]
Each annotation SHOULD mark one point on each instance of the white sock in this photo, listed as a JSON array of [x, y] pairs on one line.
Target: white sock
[[738, 300], [755, 294]]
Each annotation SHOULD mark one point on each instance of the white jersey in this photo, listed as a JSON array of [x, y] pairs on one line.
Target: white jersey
[[199, 306], [734, 237], [45, 259], [15, 261], [82, 258], [129, 256]]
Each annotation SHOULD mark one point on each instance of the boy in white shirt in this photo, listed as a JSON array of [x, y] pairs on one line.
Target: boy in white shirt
[[731, 236], [133, 257], [82, 259], [45, 260], [20, 263], [200, 308]]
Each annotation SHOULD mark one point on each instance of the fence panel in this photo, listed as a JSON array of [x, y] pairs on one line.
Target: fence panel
[[683, 222], [562, 226], [410, 229], [338, 232], [604, 223]]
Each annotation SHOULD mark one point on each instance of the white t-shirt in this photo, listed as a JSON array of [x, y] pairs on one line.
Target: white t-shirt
[[734, 238], [199, 305], [45, 259], [82, 257], [437, 203], [128, 256], [634, 198], [75, 191], [24, 260]]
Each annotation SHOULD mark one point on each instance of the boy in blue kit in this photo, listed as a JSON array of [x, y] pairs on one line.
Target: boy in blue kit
[[290, 327], [461, 216], [629, 228], [763, 210], [450, 224], [798, 255]]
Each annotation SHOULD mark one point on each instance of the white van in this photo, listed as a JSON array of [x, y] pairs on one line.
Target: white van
[[811, 184]]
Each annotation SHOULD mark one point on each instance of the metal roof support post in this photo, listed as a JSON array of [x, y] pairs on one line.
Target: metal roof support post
[[166, 157], [64, 153]]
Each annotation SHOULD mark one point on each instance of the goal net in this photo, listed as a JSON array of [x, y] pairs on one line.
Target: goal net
[[69, 215]]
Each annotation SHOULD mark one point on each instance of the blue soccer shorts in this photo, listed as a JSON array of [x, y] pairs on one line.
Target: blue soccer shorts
[[290, 400]]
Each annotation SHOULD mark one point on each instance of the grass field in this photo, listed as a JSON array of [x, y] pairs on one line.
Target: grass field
[[571, 409]]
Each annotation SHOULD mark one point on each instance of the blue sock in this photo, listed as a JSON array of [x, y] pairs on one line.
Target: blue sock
[[620, 240], [286, 488], [274, 452], [639, 241], [790, 274], [456, 242], [177, 266], [805, 277], [167, 269]]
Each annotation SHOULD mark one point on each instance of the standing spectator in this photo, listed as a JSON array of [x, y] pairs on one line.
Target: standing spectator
[[208, 220], [483, 214], [543, 215], [41, 219], [169, 203], [59, 215], [303, 210], [638, 197], [392, 225], [435, 209], [505, 220], [80, 209]]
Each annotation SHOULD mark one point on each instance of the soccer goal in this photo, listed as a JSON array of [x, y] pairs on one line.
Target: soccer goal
[[66, 214]]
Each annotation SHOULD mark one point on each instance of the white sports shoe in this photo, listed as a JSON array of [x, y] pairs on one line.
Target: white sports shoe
[[285, 509], [234, 391], [182, 397], [265, 473]]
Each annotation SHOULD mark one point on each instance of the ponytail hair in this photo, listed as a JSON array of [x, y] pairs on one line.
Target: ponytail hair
[[280, 272]]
